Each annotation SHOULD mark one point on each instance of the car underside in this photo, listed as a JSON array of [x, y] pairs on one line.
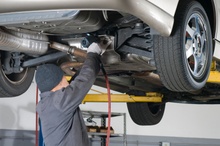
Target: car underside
[[129, 59], [139, 60]]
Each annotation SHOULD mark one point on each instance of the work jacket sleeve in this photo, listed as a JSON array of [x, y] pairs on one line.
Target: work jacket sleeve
[[72, 96]]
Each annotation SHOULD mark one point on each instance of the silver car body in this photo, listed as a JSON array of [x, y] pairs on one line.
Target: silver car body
[[158, 14], [217, 29]]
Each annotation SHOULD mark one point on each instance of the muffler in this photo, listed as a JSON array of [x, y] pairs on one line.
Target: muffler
[[32, 44]]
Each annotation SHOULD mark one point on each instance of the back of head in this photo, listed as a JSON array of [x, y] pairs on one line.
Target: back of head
[[48, 76]]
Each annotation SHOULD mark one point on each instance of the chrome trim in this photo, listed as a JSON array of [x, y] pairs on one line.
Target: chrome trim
[[145, 10]]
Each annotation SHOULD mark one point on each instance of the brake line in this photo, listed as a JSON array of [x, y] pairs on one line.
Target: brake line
[[109, 105]]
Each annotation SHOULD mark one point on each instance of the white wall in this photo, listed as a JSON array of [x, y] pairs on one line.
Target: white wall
[[180, 120], [19, 112]]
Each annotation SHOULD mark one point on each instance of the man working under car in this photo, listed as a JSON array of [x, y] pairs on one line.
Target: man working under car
[[61, 119]]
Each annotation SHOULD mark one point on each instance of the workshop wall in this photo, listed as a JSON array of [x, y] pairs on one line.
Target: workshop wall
[[180, 120], [18, 113]]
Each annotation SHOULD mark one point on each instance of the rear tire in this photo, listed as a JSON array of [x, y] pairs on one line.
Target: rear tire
[[15, 84], [145, 113]]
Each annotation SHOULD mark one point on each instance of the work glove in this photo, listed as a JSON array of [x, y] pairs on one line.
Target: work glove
[[100, 47]]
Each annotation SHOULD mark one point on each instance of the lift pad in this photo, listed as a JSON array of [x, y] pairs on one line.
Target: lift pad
[[214, 76], [150, 97]]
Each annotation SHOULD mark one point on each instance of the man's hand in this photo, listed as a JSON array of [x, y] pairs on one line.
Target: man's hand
[[100, 47]]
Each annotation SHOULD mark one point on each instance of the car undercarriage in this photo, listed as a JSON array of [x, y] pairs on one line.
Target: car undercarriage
[[130, 55], [140, 58]]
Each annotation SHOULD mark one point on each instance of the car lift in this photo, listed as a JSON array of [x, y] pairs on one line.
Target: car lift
[[155, 97], [150, 97], [214, 77]]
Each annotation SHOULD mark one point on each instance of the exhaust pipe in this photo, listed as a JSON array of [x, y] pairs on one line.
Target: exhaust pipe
[[68, 49], [70, 67], [32, 44]]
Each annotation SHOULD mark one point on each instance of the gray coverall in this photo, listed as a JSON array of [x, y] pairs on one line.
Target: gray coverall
[[61, 119]]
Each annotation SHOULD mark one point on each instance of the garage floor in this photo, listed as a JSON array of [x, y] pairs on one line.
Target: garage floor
[[27, 138]]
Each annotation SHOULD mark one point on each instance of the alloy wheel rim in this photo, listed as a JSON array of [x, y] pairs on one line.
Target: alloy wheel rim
[[196, 45]]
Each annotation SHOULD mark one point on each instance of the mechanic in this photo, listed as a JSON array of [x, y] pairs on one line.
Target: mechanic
[[61, 119]]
